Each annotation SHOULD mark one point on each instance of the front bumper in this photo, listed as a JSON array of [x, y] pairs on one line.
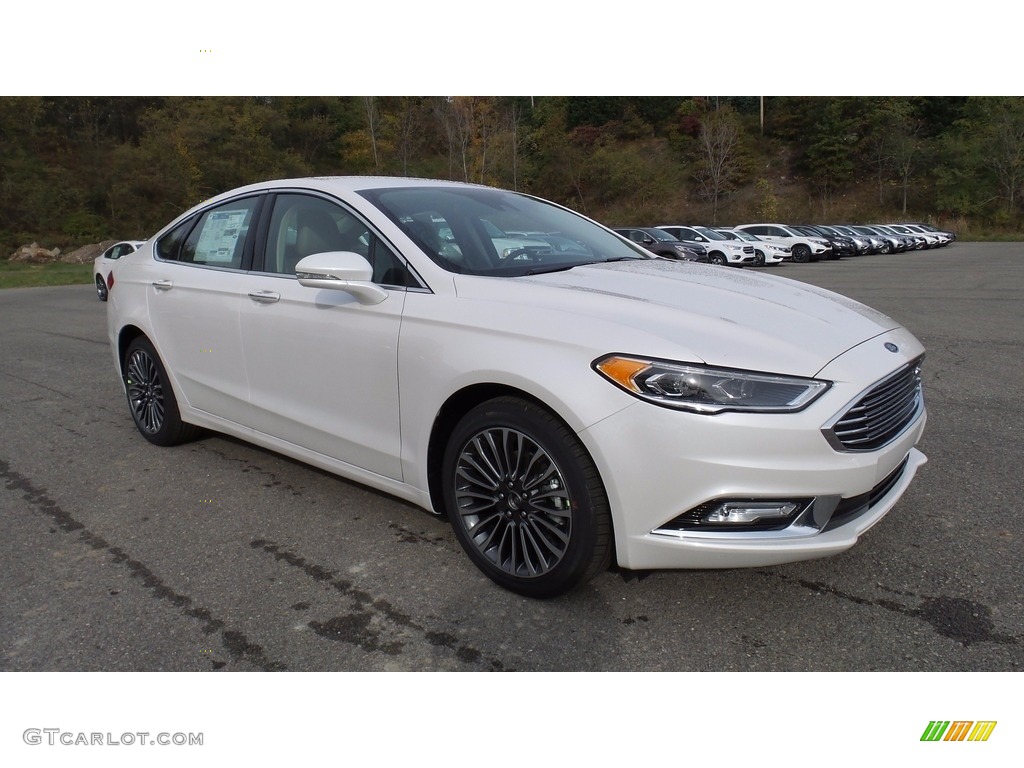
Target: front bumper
[[658, 464]]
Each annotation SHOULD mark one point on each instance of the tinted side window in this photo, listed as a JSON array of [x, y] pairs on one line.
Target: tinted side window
[[302, 225], [169, 246], [388, 268]]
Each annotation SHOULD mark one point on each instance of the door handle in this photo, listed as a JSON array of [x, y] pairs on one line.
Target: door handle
[[163, 285], [265, 297]]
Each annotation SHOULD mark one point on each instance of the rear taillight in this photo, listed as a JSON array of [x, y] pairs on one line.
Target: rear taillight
[[110, 281]]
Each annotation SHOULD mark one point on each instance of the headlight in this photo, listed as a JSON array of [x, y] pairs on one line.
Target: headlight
[[681, 249], [709, 390]]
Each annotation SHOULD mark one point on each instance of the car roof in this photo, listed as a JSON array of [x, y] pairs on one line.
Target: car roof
[[343, 184]]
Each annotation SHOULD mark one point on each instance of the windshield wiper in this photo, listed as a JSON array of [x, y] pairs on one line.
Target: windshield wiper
[[566, 267], [558, 268]]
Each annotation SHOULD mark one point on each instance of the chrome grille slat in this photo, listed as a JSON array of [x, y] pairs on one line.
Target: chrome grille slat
[[881, 417], [881, 414]]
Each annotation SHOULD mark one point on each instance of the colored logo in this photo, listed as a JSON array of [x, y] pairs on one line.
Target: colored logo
[[958, 730]]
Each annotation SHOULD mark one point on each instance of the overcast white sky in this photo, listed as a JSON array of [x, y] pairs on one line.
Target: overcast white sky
[[540, 47]]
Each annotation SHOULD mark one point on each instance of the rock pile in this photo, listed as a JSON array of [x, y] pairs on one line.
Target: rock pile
[[36, 254]]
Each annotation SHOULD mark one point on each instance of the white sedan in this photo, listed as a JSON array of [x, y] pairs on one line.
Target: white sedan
[[564, 408], [102, 264]]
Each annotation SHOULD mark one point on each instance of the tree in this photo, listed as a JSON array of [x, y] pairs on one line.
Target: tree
[[717, 165], [907, 148], [1004, 140], [830, 153], [372, 127]]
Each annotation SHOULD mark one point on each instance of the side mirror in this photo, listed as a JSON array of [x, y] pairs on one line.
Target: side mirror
[[340, 271]]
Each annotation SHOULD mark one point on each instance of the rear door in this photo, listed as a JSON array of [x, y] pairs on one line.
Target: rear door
[[194, 298]]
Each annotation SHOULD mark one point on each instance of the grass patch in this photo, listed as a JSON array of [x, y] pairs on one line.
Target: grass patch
[[16, 274]]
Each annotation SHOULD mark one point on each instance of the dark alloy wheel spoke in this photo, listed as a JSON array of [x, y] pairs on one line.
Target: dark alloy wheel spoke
[[513, 501], [145, 392]]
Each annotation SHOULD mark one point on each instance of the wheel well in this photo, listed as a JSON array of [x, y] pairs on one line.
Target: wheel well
[[127, 335], [457, 406]]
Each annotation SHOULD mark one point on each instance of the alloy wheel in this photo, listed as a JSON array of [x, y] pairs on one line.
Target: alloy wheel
[[513, 502], [145, 391]]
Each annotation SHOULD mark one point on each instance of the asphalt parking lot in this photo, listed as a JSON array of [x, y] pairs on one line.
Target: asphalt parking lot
[[118, 555]]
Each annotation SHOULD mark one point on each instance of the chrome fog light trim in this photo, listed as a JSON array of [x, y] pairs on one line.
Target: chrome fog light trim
[[747, 512]]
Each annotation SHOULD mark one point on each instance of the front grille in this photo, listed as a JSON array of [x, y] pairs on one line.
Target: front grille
[[881, 414], [748, 249]]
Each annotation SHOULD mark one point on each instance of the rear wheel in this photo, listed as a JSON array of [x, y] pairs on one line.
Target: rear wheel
[[101, 288], [525, 499], [150, 397]]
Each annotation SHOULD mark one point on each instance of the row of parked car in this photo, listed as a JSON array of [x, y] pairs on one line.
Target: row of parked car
[[743, 245], [769, 244]]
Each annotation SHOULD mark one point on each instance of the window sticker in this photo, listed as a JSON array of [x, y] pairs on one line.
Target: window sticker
[[220, 236]]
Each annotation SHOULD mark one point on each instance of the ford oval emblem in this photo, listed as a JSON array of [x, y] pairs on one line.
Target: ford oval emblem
[[891, 347]]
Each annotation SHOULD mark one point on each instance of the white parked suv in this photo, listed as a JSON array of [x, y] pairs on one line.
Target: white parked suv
[[805, 248], [721, 249], [767, 252]]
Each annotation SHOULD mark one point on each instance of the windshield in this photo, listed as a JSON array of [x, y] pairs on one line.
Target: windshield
[[481, 231], [660, 235], [710, 234], [739, 234]]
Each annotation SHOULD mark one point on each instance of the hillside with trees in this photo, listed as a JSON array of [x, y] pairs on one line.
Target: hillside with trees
[[77, 170]]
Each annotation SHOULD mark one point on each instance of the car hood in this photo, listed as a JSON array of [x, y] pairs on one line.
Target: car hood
[[691, 312]]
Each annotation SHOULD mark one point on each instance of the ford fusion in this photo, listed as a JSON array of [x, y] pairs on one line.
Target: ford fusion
[[566, 399]]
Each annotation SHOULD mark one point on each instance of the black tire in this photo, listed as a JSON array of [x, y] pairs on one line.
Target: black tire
[[101, 288], [801, 253], [151, 400], [717, 259], [525, 499], [759, 260]]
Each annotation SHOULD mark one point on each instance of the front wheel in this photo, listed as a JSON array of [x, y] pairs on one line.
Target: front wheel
[[759, 259], [717, 259], [525, 499], [801, 254]]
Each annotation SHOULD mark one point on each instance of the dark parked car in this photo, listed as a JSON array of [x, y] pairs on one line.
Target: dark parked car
[[891, 243], [721, 249], [663, 244], [841, 244]]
